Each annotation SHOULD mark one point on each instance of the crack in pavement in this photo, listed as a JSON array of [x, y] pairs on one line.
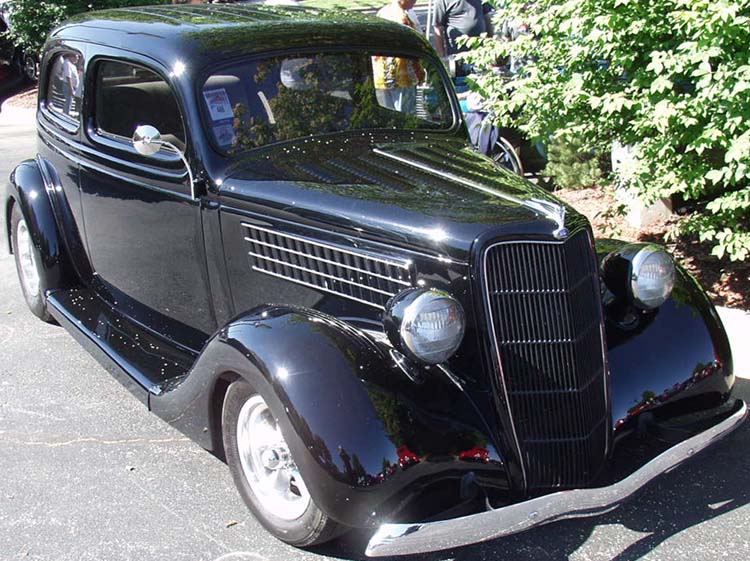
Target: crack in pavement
[[30, 412], [93, 440]]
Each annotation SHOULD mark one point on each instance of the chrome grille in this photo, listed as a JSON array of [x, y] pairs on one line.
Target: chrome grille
[[357, 276], [545, 313]]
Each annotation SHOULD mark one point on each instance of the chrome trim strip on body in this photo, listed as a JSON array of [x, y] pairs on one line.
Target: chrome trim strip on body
[[402, 539], [549, 209]]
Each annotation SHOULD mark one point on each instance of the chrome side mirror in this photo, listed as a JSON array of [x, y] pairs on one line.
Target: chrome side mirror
[[147, 141]]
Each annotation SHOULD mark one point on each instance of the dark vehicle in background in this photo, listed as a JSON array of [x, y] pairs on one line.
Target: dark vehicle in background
[[297, 259], [24, 62]]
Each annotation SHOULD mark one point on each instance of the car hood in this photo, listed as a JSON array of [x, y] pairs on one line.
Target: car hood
[[433, 193]]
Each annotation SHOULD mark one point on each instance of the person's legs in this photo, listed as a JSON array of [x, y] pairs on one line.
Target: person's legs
[[408, 100], [68, 95], [387, 98], [403, 100]]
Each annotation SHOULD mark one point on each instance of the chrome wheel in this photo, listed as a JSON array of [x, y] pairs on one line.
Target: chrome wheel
[[27, 260], [505, 154], [267, 463]]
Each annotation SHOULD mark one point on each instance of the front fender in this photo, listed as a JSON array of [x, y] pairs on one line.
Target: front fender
[[366, 438], [673, 360], [28, 189]]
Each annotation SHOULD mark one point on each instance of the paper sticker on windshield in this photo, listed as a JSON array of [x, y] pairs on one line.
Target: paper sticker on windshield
[[224, 134], [218, 104]]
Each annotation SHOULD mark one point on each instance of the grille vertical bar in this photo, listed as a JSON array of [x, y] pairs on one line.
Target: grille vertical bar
[[545, 315]]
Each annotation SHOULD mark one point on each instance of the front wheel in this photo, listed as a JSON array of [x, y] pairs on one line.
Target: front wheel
[[27, 265], [265, 472]]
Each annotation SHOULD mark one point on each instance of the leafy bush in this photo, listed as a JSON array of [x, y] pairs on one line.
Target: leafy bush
[[571, 166], [669, 77], [32, 20]]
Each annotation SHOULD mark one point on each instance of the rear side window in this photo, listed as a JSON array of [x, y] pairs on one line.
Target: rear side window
[[128, 96], [65, 85]]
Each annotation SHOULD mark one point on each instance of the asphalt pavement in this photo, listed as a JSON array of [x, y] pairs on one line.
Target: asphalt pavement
[[87, 473]]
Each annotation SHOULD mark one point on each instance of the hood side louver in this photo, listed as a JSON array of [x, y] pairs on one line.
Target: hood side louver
[[355, 275]]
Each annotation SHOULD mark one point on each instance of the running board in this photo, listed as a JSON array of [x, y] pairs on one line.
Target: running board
[[141, 361]]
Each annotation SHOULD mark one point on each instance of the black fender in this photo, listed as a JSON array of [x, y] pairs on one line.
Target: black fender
[[366, 438], [670, 361], [30, 188]]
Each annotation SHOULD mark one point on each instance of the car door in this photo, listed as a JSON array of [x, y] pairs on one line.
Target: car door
[[143, 226]]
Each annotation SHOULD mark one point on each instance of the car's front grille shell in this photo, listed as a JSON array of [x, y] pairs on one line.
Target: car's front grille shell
[[544, 309]]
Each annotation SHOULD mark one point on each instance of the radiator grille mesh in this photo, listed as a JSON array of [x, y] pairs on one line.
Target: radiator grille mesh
[[545, 312]]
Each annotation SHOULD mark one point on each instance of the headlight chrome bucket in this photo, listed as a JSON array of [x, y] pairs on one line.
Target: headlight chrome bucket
[[426, 325], [645, 273]]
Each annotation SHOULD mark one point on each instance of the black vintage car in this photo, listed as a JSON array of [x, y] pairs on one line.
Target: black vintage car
[[270, 226]]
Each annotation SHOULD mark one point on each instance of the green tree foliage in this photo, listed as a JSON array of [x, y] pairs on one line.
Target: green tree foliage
[[669, 77], [571, 166], [32, 20]]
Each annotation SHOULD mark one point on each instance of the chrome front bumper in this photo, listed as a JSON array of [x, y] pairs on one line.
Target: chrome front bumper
[[401, 539]]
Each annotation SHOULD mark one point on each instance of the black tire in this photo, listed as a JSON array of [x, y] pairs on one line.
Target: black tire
[[312, 526], [29, 68], [27, 264]]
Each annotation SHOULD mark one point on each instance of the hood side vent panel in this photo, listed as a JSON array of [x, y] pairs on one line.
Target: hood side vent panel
[[359, 276]]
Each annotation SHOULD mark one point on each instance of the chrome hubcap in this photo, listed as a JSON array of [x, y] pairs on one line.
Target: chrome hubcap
[[27, 260], [267, 463]]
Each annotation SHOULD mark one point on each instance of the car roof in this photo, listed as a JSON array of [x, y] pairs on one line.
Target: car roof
[[212, 33]]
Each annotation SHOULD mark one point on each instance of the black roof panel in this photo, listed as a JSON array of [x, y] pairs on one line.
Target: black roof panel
[[206, 34]]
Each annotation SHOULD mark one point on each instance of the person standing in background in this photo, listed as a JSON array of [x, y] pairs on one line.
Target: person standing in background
[[454, 18], [396, 78], [71, 82]]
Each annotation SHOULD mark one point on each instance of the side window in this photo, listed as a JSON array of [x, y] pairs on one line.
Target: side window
[[65, 84], [128, 96]]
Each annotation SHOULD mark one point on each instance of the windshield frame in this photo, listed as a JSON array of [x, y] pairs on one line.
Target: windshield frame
[[207, 72]]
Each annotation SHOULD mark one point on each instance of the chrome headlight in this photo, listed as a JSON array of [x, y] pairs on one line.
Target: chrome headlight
[[425, 324], [645, 271], [651, 277]]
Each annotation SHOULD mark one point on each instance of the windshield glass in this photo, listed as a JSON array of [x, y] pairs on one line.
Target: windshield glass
[[259, 102]]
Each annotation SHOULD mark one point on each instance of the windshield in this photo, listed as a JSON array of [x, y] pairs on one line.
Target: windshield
[[260, 102]]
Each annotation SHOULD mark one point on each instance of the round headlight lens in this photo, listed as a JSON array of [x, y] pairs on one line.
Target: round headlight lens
[[429, 324], [651, 277]]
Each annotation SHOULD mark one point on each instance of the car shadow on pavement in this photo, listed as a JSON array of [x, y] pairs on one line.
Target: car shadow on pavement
[[712, 484]]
